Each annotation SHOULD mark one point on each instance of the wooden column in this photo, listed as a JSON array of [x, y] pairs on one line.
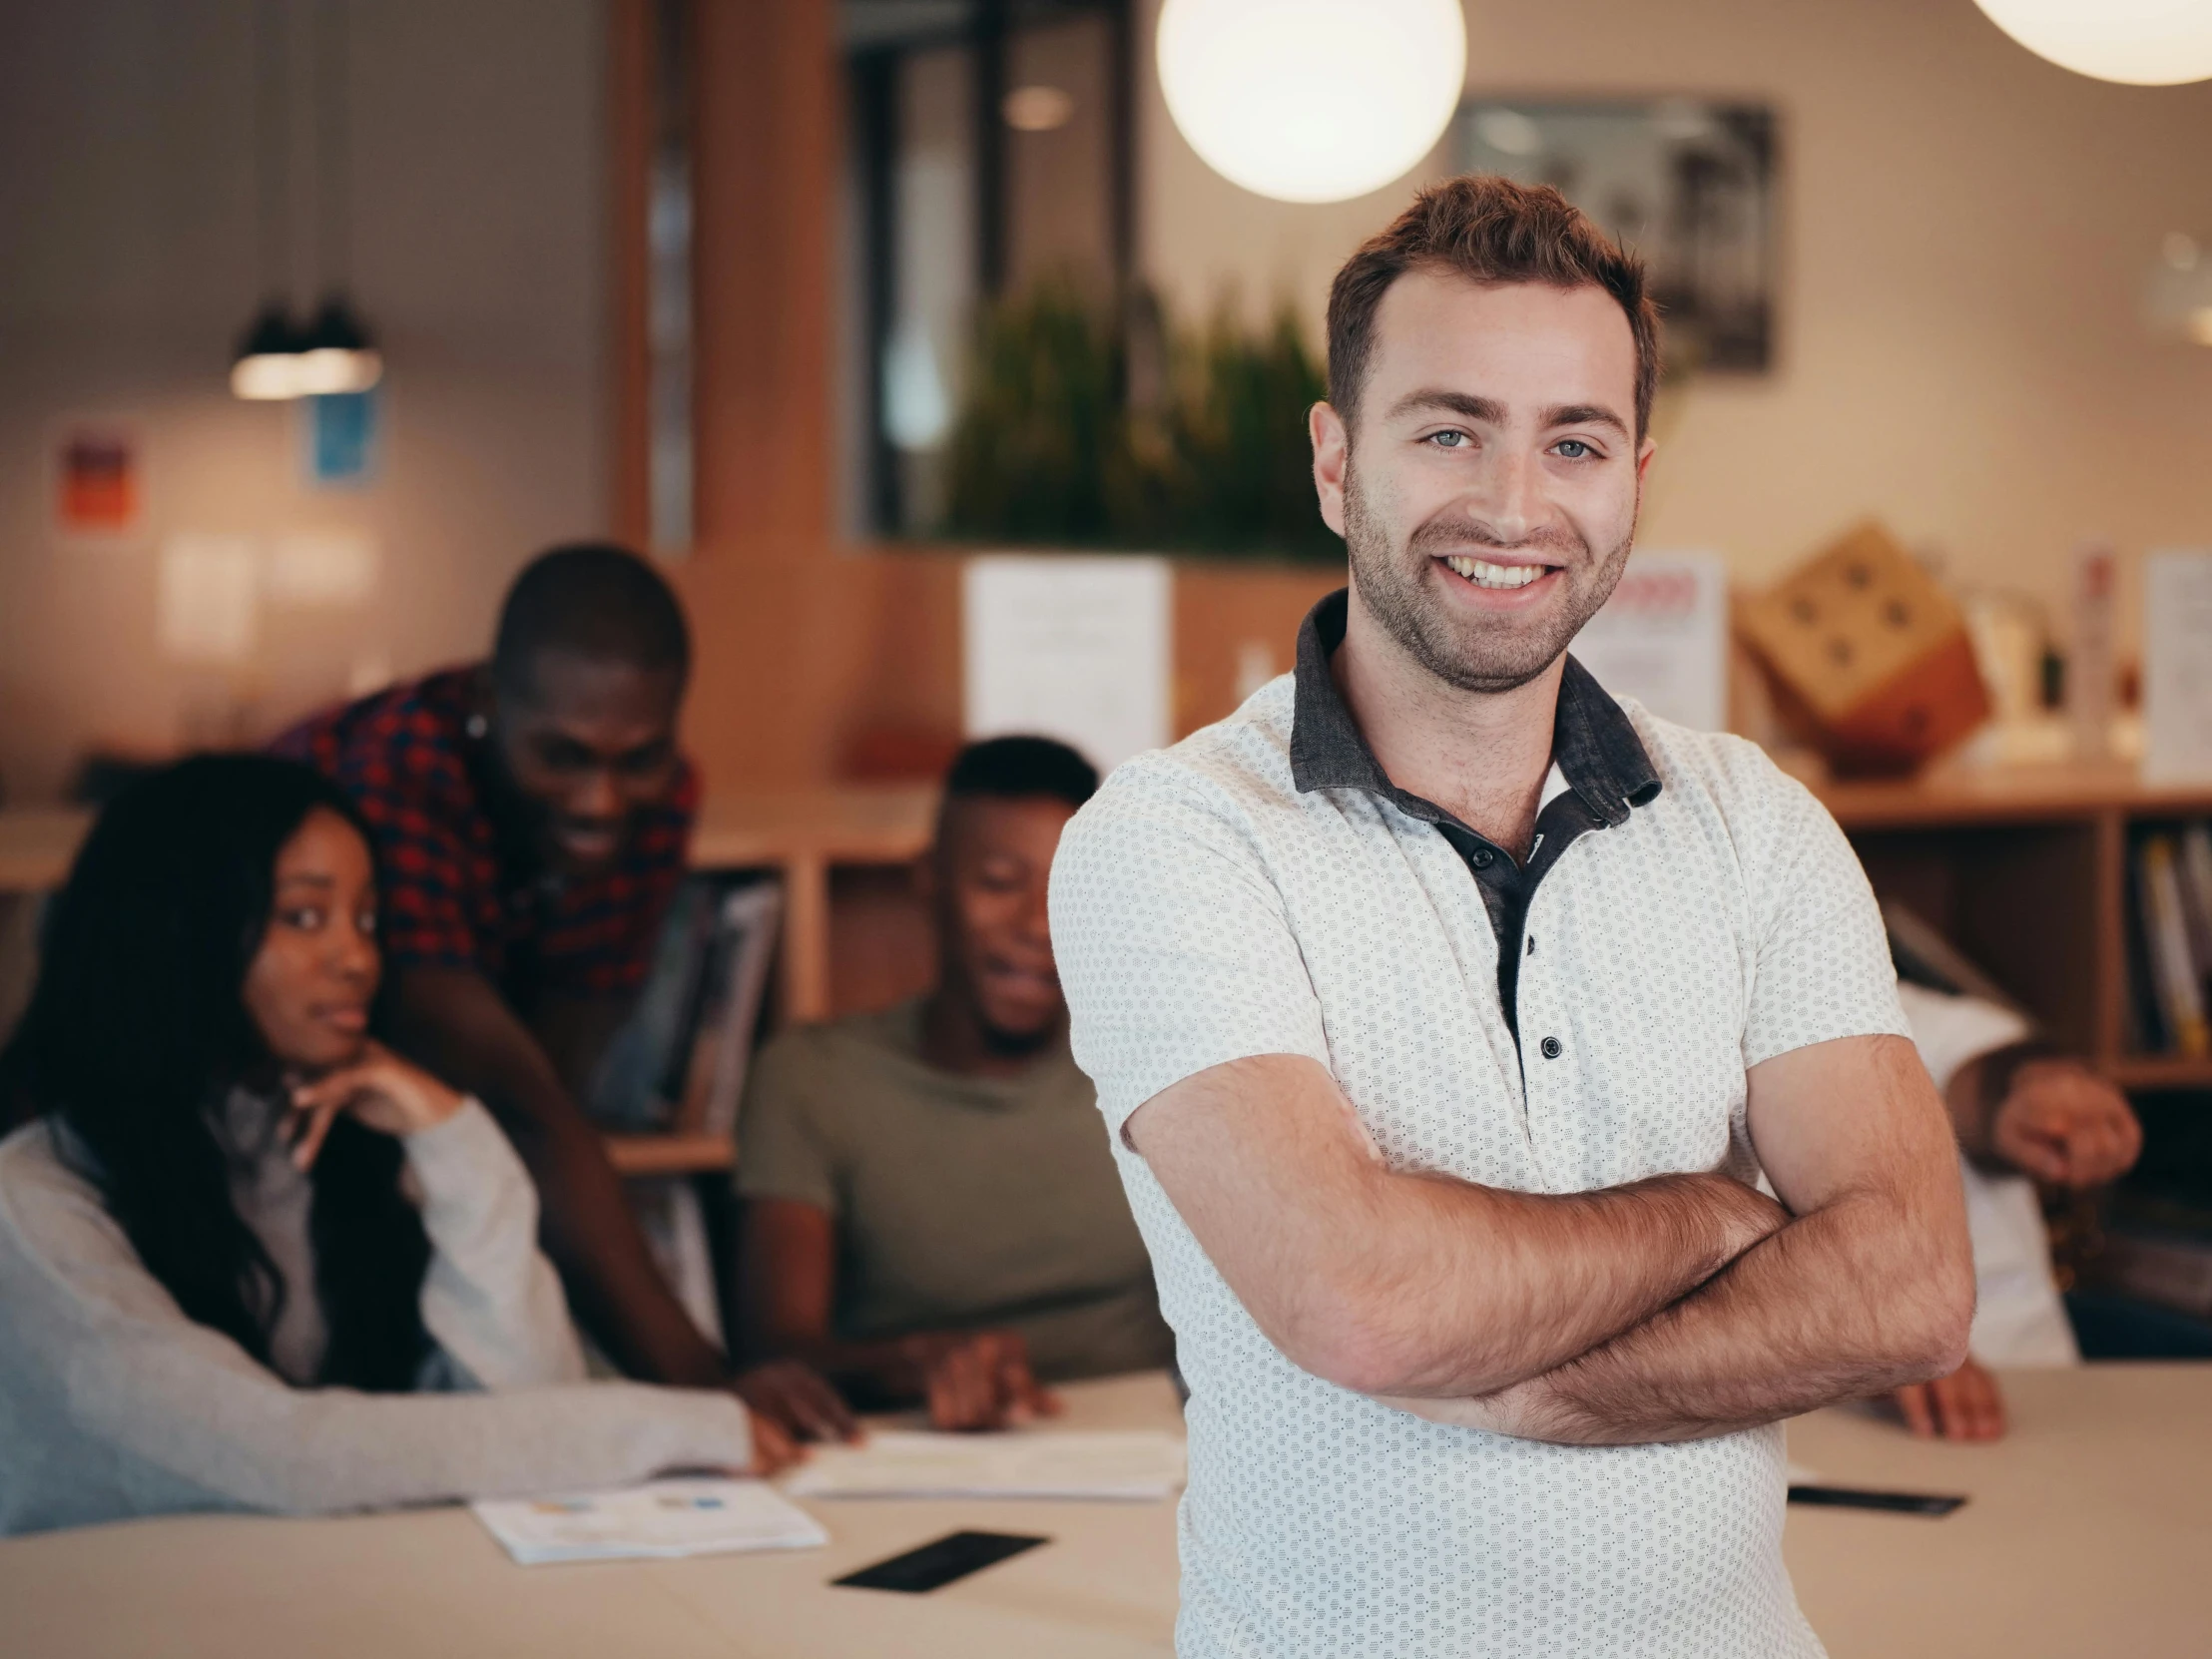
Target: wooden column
[[765, 194]]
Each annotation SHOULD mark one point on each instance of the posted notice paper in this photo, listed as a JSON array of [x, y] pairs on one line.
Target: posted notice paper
[[1663, 638], [660, 1520], [1069, 647], [2177, 667], [1126, 1464]]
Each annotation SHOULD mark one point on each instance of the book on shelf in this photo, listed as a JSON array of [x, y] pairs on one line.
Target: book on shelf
[[679, 1062], [733, 987], [2177, 988], [2193, 869]]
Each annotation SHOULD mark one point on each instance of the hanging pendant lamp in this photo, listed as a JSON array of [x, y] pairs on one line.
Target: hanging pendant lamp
[[267, 366], [335, 353]]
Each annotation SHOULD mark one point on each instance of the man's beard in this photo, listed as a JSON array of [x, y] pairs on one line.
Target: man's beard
[[1393, 585]]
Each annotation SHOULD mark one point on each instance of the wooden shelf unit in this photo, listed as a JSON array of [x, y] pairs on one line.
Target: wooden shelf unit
[[2027, 871]]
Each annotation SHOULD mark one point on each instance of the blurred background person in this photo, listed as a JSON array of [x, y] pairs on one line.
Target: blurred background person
[[533, 817], [2024, 1113], [931, 1210], [249, 1257]]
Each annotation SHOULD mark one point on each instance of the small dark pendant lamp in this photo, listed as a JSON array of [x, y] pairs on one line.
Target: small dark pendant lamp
[[277, 358]]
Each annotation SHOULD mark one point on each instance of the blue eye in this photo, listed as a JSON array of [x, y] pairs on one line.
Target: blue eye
[[1449, 441], [1572, 449]]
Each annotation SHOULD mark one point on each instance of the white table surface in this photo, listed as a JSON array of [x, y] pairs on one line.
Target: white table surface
[[2088, 1531]]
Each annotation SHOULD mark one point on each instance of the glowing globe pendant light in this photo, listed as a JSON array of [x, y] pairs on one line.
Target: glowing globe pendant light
[[2147, 42], [1311, 100]]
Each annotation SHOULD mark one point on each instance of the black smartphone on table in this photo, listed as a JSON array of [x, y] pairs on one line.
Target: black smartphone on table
[[938, 1563]]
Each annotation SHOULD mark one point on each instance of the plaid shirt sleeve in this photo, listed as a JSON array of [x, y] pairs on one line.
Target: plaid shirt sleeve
[[422, 865]]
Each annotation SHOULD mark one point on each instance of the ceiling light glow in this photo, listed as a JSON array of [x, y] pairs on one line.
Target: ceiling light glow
[[2145, 43], [1311, 100]]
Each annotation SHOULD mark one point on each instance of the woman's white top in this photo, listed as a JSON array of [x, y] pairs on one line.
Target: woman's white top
[[2018, 1318]]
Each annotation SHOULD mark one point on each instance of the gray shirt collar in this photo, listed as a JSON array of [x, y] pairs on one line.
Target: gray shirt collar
[[1596, 749]]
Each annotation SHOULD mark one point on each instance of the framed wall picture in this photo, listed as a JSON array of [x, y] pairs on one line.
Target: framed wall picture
[[1688, 182]]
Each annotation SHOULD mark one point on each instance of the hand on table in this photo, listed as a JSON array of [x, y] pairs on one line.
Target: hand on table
[[797, 1400], [977, 1380], [1965, 1406], [2061, 1123], [380, 1090]]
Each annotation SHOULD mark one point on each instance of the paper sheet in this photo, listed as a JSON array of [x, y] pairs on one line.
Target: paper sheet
[[2177, 667], [1074, 648], [1130, 1464], [661, 1519], [1663, 638]]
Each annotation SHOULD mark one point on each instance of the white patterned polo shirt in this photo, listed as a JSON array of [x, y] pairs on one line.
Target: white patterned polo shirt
[[1261, 888]]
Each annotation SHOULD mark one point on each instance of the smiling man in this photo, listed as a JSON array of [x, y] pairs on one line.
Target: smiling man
[[1444, 1011], [931, 1210], [533, 817]]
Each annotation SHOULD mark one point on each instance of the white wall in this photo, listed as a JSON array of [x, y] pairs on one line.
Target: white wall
[[1965, 229], [128, 266]]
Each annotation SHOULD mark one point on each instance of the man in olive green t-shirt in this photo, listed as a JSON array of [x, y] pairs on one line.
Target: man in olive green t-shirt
[[932, 1211]]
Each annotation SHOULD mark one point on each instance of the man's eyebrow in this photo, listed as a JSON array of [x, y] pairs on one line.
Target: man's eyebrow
[[1458, 402], [1584, 414], [303, 877]]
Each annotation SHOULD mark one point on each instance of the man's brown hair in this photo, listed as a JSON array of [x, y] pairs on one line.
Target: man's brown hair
[[1493, 231]]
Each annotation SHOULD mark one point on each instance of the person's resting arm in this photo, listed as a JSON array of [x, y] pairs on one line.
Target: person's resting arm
[[455, 1023], [211, 1427], [491, 1300], [1869, 1286], [1394, 1283], [1194, 1013], [2045, 1115], [968, 1378], [794, 1168]]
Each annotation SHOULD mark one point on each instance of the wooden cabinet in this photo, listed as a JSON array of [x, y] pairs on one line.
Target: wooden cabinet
[[2027, 872]]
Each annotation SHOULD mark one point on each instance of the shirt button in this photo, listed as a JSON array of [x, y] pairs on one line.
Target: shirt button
[[1550, 1047], [1481, 860]]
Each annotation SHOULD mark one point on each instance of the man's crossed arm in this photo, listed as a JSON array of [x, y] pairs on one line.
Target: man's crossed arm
[[1669, 1309]]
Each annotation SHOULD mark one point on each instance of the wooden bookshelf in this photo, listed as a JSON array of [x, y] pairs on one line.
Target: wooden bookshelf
[[2026, 870]]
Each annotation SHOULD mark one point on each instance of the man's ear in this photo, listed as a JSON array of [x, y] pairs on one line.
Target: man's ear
[[1332, 454], [1644, 451]]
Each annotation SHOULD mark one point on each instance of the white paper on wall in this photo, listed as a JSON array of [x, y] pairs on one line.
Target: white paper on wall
[[2177, 667], [321, 567], [208, 598], [1074, 648], [1663, 638]]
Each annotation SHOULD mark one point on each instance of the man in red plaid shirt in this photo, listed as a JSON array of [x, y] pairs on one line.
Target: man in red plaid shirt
[[533, 817]]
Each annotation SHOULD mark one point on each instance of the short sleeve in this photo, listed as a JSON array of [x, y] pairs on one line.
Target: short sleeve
[[1172, 944], [784, 1149], [1821, 966]]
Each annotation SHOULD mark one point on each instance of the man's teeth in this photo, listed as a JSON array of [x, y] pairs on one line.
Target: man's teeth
[[1484, 574]]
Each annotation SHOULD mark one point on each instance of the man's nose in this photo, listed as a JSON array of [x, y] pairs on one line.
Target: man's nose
[[598, 794], [1504, 495]]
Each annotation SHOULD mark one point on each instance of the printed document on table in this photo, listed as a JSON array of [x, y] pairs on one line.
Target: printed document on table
[[660, 1520], [1128, 1465]]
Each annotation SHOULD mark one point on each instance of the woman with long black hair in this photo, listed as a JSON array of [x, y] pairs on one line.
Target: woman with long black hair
[[250, 1258]]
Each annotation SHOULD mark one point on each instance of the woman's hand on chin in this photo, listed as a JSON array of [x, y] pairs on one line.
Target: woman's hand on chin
[[380, 1090]]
